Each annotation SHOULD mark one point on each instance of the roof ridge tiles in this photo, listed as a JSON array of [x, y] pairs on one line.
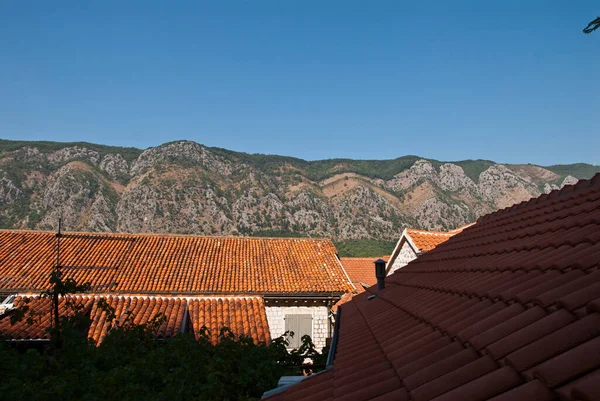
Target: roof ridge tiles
[[158, 235], [430, 232]]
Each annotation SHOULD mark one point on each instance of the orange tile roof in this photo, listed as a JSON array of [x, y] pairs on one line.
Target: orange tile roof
[[174, 264], [36, 322], [141, 310], [361, 270], [347, 297], [242, 315], [422, 240], [427, 240], [509, 309]]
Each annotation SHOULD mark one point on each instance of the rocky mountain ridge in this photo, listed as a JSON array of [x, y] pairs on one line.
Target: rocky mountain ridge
[[185, 187]]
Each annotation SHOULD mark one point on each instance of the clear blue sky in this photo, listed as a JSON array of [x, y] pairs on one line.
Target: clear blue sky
[[510, 81]]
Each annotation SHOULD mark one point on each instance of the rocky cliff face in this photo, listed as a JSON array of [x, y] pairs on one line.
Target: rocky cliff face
[[184, 187]]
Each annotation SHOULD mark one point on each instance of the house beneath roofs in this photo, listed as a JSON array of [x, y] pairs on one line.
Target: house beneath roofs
[[506, 310], [415, 242], [293, 281]]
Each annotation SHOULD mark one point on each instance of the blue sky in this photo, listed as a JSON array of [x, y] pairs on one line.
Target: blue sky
[[511, 81]]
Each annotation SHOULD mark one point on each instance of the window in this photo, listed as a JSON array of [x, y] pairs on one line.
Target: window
[[301, 325]]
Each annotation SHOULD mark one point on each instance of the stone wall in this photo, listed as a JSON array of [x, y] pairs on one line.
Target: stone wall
[[7, 303], [406, 255], [320, 322]]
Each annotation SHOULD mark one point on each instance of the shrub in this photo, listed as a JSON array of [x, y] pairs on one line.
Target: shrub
[[130, 364]]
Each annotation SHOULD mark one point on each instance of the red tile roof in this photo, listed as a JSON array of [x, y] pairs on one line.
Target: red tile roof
[[347, 297], [361, 270], [138, 310], [173, 264], [427, 240], [362, 273], [243, 315], [422, 241], [36, 322], [506, 310]]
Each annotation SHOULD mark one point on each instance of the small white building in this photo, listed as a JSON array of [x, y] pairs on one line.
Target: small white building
[[414, 242]]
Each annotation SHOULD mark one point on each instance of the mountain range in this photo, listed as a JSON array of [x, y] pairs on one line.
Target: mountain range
[[185, 187]]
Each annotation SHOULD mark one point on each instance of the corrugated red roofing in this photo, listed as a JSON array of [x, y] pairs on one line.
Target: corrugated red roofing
[[172, 264], [506, 310]]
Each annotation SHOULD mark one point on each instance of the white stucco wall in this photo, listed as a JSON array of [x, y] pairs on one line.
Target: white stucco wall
[[320, 323], [405, 255]]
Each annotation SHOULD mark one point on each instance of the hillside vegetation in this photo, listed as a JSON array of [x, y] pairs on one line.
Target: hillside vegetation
[[185, 187]]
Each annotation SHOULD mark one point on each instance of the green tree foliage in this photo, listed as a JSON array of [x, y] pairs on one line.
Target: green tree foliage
[[364, 247], [61, 287], [128, 154], [577, 170], [131, 364], [473, 168]]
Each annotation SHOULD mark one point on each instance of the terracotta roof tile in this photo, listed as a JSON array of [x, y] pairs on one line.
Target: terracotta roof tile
[[173, 264], [587, 388], [419, 363], [508, 309], [454, 378], [533, 390], [138, 310], [555, 343], [427, 240], [243, 315], [570, 364], [508, 327], [440, 368], [318, 386], [422, 240], [36, 323], [484, 387], [361, 270]]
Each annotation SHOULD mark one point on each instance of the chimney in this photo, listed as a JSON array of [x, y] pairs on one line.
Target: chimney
[[380, 273]]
